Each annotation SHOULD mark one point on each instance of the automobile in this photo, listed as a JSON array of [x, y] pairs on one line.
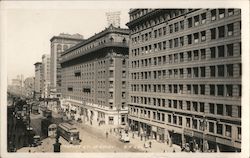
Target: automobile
[[146, 145], [36, 141], [187, 148], [124, 138]]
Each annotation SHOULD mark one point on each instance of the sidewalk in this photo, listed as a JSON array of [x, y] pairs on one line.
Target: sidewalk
[[136, 141]]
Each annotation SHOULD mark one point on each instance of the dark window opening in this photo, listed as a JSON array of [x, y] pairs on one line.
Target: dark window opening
[[86, 90], [211, 108], [213, 52], [213, 33], [190, 22], [220, 109], [221, 51], [221, 32], [212, 89], [220, 89]]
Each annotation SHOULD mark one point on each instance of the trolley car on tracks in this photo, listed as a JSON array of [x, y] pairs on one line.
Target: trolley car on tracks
[[70, 133]]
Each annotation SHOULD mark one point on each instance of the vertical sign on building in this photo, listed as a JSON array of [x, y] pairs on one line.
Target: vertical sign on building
[[113, 18]]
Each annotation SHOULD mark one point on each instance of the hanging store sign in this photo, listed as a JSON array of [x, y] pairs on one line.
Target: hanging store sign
[[210, 138], [198, 134], [224, 141], [188, 132]]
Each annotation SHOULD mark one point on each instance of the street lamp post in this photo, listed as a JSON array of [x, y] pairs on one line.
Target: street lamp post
[[57, 145]]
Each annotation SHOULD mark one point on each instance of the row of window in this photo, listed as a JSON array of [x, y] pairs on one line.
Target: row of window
[[178, 26], [91, 75], [111, 95], [194, 106], [191, 21], [215, 15], [102, 94], [164, 17], [179, 42], [111, 73], [91, 65], [228, 70], [102, 63], [198, 54], [111, 84], [60, 47], [202, 89]]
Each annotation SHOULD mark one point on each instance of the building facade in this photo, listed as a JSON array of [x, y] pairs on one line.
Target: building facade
[[58, 45], [185, 76], [17, 86], [29, 83], [94, 78], [38, 79], [46, 75]]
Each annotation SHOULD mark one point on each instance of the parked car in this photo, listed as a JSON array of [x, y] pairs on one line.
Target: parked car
[[124, 138], [36, 141]]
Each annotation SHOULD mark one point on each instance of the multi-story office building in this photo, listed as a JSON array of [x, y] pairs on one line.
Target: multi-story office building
[[29, 87], [17, 86], [38, 79], [46, 75], [94, 78], [185, 76], [58, 45]]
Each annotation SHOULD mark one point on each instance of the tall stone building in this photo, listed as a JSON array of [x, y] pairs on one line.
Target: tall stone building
[[38, 79], [46, 75], [94, 78], [29, 88], [185, 76], [58, 45]]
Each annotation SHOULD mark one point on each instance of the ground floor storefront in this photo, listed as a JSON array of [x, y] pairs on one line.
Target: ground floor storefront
[[93, 114], [188, 139]]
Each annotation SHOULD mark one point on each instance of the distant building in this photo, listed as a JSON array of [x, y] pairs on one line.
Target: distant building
[[29, 86], [16, 82], [58, 45], [38, 79], [16, 86], [94, 78], [46, 75], [113, 18], [185, 76]]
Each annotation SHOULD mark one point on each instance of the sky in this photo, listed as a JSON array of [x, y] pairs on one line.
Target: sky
[[28, 33]]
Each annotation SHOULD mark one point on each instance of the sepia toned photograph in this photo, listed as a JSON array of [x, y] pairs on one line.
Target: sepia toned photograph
[[127, 79]]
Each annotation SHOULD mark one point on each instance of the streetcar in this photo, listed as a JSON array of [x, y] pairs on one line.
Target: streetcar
[[52, 130], [69, 133]]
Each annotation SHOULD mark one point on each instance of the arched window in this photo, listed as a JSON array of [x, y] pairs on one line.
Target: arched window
[[65, 47], [59, 47], [124, 40], [111, 39]]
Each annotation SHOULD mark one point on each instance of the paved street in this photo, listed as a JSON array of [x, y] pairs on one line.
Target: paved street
[[94, 140]]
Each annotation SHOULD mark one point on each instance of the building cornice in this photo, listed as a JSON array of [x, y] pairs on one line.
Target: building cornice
[[102, 46], [38, 63], [108, 30], [154, 13], [66, 38]]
